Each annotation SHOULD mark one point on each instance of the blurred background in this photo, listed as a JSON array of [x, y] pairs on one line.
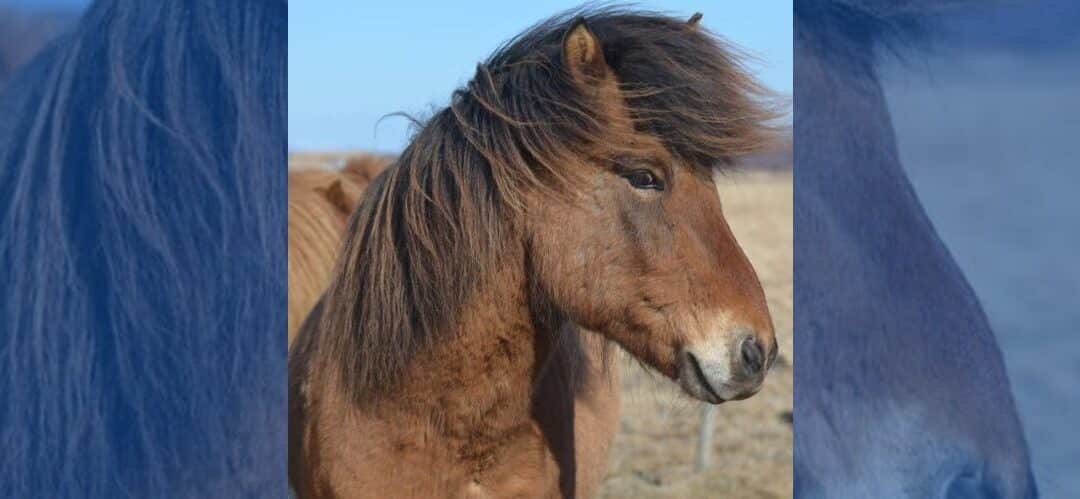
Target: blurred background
[[988, 126], [351, 63], [26, 26]]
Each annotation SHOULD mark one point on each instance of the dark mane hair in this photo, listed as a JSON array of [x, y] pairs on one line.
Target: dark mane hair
[[142, 255], [431, 226], [856, 33]]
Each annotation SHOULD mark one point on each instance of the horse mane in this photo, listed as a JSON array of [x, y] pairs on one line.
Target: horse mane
[[856, 33], [142, 251], [432, 225]]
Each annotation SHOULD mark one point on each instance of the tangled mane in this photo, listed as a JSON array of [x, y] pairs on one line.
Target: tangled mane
[[142, 251], [430, 227], [856, 33]]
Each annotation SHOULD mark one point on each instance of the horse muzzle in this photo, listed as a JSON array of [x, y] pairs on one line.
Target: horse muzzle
[[716, 373]]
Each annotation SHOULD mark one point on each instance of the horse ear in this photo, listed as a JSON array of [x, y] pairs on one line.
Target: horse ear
[[583, 54], [692, 23], [360, 170], [343, 196]]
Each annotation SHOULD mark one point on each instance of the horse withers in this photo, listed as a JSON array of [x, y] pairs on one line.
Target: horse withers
[[565, 199]]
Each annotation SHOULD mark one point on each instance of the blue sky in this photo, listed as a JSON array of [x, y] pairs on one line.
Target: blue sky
[[351, 62], [44, 3]]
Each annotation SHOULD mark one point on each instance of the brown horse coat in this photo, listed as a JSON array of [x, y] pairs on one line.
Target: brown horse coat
[[551, 441], [320, 202]]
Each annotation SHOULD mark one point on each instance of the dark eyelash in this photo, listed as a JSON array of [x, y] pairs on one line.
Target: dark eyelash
[[644, 179]]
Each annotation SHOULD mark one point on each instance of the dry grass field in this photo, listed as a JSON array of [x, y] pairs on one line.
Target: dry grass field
[[655, 448]]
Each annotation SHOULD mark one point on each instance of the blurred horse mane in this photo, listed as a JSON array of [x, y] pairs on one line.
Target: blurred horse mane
[[858, 32], [320, 202], [142, 251]]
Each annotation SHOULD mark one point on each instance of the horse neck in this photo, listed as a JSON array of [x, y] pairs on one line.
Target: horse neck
[[478, 380]]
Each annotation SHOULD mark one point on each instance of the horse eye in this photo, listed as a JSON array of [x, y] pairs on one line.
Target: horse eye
[[644, 179]]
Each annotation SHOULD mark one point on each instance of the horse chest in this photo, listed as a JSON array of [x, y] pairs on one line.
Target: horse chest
[[522, 468], [365, 457]]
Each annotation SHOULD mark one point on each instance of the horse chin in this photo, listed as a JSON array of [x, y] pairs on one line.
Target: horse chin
[[694, 389], [693, 380]]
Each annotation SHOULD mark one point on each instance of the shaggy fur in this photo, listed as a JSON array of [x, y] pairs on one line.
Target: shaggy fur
[[142, 255]]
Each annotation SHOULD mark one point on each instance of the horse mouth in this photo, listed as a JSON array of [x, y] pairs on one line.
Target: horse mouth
[[696, 375], [694, 378]]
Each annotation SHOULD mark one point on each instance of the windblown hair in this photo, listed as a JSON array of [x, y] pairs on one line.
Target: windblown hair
[[857, 32], [142, 251], [433, 225]]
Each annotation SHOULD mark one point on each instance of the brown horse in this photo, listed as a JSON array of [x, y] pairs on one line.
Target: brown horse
[[320, 202], [570, 183]]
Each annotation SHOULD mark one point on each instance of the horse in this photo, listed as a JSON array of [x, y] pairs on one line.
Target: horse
[[563, 202], [320, 202], [142, 251], [902, 390], [361, 169]]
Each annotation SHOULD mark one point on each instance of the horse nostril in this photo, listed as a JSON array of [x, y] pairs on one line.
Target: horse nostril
[[752, 355], [969, 485]]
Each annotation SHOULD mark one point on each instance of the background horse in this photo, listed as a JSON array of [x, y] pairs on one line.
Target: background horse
[[320, 202], [570, 183], [901, 387], [142, 251]]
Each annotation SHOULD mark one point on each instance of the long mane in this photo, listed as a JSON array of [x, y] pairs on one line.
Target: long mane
[[857, 33], [142, 251], [431, 226]]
